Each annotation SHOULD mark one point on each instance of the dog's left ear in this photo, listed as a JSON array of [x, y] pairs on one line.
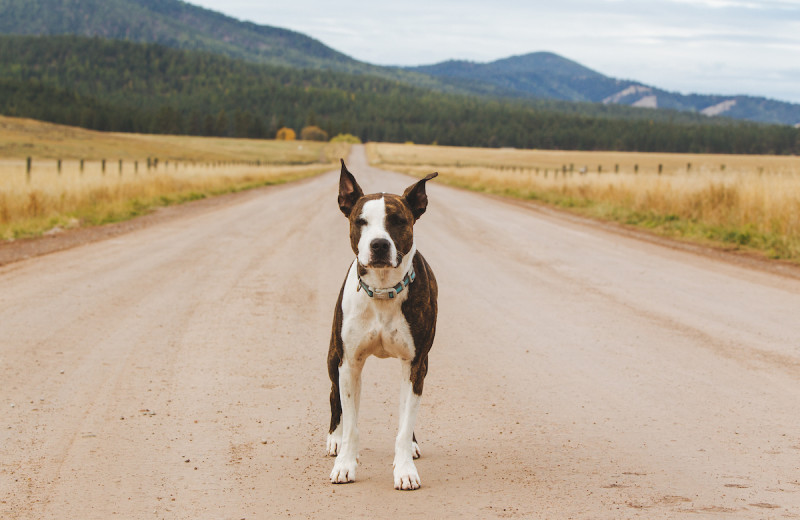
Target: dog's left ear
[[416, 198], [349, 191]]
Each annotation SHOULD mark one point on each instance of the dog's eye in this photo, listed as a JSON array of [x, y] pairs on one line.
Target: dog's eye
[[360, 222], [397, 220]]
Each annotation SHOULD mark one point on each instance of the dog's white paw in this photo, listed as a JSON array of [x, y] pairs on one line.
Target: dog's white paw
[[415, 450], [406, 476], [344, 471], [334, 442]]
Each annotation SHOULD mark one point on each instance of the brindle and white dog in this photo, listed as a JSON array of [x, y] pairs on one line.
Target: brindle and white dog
[[386, 308]]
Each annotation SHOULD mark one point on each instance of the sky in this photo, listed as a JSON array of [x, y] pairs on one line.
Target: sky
[[689, 46]]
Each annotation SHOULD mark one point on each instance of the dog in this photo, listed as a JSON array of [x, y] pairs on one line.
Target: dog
[[386, 308]]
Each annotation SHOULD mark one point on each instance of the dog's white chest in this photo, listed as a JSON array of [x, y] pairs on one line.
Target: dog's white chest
[[374, 327]]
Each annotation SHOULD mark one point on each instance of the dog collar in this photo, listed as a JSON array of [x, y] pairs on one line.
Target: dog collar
[[389, 292]]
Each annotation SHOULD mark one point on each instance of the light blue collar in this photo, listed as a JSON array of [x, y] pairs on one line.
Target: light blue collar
[[390, 292]]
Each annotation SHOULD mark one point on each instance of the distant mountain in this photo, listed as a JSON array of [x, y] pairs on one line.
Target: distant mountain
[[548, 75], [538, 76]]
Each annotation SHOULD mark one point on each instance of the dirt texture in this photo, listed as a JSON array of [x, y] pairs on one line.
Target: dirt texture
[[178, 370]]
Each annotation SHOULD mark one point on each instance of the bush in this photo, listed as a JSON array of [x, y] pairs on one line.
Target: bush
[[286, 134], [346, 138], [313, 133]]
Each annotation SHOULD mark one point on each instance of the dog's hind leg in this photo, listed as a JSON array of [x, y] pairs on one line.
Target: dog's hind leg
[[405, 471], [415, 447]]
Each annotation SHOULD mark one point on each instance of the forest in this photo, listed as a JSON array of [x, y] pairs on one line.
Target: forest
[[133, 87]]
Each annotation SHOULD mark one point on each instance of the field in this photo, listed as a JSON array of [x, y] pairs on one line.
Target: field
[[734, 201], [80, 177]]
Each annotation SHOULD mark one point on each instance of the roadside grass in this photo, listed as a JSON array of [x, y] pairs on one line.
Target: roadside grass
[[82, 192], [734, 202]]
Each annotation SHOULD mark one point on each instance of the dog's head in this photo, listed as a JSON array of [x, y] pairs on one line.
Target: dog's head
[[381, 224]]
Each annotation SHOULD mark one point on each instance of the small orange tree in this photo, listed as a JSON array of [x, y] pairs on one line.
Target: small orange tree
[[286, 134]]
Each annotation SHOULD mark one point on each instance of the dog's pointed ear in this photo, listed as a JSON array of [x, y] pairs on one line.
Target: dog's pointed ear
[[416, 198], [349, 191]]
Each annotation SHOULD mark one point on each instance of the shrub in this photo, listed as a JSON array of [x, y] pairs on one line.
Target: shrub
[[313, 133], [346, 138]]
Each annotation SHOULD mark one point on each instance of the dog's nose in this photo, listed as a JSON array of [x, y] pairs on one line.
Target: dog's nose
[[379, 247]]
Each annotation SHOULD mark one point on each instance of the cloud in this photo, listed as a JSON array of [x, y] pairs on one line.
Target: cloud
[[743, 4]]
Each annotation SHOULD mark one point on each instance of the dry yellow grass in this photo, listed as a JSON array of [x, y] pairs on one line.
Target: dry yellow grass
[[48, 196], [740, 201], [508, 158]]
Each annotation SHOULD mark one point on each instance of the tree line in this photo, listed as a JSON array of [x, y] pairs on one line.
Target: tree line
[[130, 87]]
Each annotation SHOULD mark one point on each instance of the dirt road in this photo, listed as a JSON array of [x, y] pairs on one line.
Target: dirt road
[[178, 371]]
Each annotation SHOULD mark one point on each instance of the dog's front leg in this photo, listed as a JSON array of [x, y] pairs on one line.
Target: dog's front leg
[[344, 469], [405, 471]]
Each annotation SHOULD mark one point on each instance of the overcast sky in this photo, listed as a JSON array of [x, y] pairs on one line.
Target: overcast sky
[[689, 46]]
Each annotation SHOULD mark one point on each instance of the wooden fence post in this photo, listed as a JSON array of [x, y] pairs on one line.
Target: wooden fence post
[[28, 170]]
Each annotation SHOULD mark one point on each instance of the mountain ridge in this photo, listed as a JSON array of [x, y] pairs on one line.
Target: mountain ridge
[[546, 74]]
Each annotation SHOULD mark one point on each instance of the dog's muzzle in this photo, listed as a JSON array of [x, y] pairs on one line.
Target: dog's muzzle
[[380, 250]]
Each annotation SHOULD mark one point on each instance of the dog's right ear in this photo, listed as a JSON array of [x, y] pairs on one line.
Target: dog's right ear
[[349, 191]]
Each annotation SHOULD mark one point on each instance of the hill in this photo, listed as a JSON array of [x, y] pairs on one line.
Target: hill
[[181, 25], [131, 87], [172, 23], [547, 75]]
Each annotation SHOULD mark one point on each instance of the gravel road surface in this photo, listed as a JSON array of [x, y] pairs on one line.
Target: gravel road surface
[[178, 371]]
